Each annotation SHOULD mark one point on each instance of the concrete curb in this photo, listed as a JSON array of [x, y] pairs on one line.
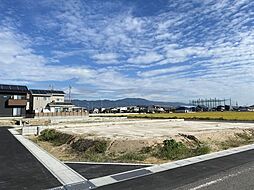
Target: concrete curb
[[108, 163], [66, 175], [107, 180]]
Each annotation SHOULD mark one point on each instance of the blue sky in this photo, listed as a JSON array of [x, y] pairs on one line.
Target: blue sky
[[155, 49]]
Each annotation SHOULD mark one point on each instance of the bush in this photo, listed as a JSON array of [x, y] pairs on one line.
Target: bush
[[100, 146], [55, 137], [200, 150], [96, 146], [48, 135], [172, 150]]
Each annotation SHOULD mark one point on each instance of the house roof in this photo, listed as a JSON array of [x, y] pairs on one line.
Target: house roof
[[4, 88], [38, 91], [60, 104]]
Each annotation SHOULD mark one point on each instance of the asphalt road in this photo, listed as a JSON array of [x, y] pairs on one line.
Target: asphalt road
[[90, 171], [19, 169], [241, 177], [229, 172]]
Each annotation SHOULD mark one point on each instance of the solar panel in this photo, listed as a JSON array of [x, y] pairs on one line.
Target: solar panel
[[13, 88], [37, 91]]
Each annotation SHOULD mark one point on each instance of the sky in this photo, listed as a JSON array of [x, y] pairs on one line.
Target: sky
[[164, 50]]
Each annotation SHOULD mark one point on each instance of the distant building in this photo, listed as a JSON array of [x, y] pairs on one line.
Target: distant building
[[13, 100], [184, 109], [246, 109]]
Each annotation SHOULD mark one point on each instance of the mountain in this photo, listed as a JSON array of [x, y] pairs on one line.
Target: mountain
[[122, 102]]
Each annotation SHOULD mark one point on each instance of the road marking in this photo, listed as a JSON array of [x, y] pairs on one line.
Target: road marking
[[103, 181], [221, 179]]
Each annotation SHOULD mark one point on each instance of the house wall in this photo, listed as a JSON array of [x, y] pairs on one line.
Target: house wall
[[57, 98], [40, 102]]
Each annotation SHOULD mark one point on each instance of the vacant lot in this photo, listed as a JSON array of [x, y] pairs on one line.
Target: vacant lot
[[231, 116], [142, 140]]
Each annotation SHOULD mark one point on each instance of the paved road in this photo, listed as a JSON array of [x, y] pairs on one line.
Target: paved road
[[90, 171], [237, 178], [220, 173], [18, 167]]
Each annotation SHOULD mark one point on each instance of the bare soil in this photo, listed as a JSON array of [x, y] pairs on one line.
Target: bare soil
[[127, 135]]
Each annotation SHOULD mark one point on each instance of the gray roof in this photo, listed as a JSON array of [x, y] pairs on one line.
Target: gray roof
[[60, 104], [5, 88], [37, 91]]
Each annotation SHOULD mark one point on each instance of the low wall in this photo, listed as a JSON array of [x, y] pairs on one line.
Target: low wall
[[60, 114], [34, 130]]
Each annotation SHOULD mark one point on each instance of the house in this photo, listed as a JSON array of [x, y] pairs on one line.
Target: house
[[220, 108], [48, 101], [184, 109], [13, 100], [60, 106], [246, 108]]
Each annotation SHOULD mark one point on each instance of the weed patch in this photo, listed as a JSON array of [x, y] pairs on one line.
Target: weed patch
[[173, 150], [239, 139], [55, 137]]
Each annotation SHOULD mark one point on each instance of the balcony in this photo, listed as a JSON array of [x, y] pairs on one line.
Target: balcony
[[17, 102]]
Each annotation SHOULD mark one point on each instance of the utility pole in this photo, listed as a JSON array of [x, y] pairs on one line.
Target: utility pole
[[70, 93]]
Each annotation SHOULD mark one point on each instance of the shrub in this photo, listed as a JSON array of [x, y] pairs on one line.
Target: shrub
[[172, 150], [48, 135], [55, 137], [200, 150], [100, 146], [82, 145], [146, 150], [96, 146]]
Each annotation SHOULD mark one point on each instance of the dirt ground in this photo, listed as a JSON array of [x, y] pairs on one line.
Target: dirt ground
[[128, 134]]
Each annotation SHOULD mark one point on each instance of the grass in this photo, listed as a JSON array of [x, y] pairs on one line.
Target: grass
[[55, 137], [132, 156], [239, 139], [230, 116], [173, 150]]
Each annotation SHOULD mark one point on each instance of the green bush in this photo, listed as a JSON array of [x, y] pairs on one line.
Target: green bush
[[54, 136], [172, 150], [200, 150], [48, 135]]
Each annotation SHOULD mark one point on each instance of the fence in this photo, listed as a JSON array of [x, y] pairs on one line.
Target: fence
[[61, 114]]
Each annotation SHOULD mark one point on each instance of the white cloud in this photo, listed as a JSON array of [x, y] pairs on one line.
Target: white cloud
[[106, 58], [214, 40], [175, 69], [147, 58]]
